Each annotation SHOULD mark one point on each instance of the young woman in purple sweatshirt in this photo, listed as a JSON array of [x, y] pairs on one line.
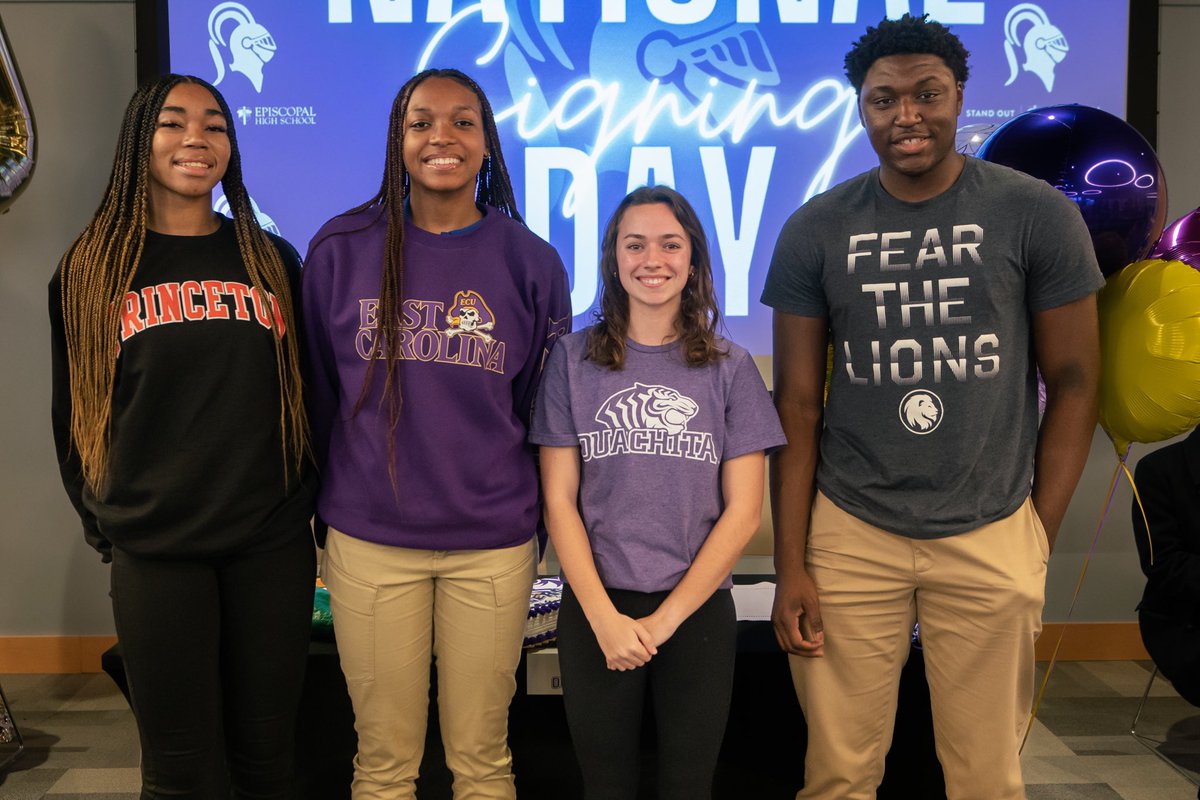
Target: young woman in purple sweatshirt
[[428, 312]]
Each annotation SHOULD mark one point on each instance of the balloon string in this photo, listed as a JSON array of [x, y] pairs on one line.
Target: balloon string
[[1141, 508], [1112, 490]]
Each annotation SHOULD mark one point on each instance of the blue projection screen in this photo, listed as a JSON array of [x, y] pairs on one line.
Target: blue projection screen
[[741, 105]]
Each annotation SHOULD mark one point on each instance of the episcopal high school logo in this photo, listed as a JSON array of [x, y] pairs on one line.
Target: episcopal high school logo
[[249, 44], [921, 411], [647, 419], [1042, 44]]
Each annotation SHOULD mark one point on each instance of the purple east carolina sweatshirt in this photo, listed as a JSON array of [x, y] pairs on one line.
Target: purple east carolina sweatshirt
[[481, 310]]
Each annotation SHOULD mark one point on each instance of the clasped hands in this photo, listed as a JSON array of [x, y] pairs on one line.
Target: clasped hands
[[630, 643]]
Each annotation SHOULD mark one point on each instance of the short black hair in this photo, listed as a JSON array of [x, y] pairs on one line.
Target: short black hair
[[909, 34]]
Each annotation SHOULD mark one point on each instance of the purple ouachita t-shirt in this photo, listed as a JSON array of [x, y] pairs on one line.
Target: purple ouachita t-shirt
[[652, 437], [481, 310]]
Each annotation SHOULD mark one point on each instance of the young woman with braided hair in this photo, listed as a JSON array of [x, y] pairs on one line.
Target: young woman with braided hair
[[180, 426], [428, 313]]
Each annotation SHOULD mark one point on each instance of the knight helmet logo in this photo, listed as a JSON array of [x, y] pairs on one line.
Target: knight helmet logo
[[1044, 45], [721, 62], [250, 45], [221, 206], [921, 411]]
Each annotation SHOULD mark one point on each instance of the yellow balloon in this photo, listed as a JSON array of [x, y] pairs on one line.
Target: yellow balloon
[[1150, 352]]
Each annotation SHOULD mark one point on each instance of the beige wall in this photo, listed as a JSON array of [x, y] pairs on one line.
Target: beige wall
[[77, 60]]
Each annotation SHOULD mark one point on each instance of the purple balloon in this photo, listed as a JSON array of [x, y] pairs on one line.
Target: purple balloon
[[1180, 241], [969, 138], [1187, 252], [1101, 163]]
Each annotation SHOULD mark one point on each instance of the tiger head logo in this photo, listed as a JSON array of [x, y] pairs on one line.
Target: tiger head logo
[[921, 411], [648, 407]]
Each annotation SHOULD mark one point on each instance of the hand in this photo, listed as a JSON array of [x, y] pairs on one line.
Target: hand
[[1051, 524], [796, 616], [625, 641], [659, 629]]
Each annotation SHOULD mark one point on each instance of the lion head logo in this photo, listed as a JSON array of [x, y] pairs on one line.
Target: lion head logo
[[921, 411], [648, 407]]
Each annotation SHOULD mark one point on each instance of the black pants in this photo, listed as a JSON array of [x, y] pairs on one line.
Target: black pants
[[690, 681], [215, 653]]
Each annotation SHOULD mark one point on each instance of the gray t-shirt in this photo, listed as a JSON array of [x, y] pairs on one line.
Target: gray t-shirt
[[652, 437], [931, 422]]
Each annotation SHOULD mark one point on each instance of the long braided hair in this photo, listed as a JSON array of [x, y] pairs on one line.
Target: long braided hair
[[492, 188], [699, 315], [98, 269]]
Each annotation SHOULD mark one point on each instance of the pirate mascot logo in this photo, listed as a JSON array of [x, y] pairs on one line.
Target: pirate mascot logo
[[469, 315]]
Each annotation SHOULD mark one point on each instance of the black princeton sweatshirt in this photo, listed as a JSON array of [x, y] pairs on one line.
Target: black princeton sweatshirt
[[196, 465]]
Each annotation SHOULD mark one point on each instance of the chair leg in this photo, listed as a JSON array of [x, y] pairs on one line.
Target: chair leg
[[1133, 731], [9, 732], [1149, 742]]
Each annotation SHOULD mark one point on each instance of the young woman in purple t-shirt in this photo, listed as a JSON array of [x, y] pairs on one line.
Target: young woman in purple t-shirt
[[653, 431], [428, 312]]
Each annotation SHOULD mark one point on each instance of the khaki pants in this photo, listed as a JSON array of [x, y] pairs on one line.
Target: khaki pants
[[978, 597], [393, 608]]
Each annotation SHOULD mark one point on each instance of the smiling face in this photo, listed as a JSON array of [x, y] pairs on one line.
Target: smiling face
[[444, 142], [909, 105], [654, 259], [190, 149]]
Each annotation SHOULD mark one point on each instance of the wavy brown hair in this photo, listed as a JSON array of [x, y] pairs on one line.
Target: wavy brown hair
[[99, 267], [699, 317], [492, 188]]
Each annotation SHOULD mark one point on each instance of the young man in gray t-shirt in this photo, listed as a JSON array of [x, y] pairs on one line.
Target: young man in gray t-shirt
[[925, 489]]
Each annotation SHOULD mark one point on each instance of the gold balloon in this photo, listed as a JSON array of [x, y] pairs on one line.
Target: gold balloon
[[1150, 352], [18, 140]]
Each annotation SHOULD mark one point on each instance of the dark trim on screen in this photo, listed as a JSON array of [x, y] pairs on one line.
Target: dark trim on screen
[[153, 42], [1141, 85]]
